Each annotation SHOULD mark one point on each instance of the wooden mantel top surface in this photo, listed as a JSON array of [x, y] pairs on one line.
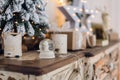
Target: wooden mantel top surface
[[31, 64]]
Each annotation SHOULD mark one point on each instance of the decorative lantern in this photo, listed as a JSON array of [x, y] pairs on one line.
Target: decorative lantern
[[12, 44]]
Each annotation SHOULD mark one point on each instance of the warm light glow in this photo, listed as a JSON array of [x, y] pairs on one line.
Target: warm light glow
[[16, 22], [89, 21], [13, 14], [40, 29], [74, 9], [38, 6], [88, 33], [68, 8], [91, 29], [73, 14], [96, 11], [83, 1], [24, 37], [92, 11], [32, 22], [93, 16], [83, 27], [33, 37], [87, 10], [78, 20], [23, 20], [76, 29], [61, 2], [80, 10]]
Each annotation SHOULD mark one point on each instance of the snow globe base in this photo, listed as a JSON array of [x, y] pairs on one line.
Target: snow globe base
[[47, 55]]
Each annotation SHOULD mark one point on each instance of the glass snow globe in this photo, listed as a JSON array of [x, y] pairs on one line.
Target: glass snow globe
[[46, 47]]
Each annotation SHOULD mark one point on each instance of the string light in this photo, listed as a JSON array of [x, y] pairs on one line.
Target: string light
[[83, 1], [0, 29], [83, 27], [74, 9], [25, 33], [87, 10], [89, 21], [68, 8], [76, 29], [33, 37], [96, 11], [16, 22], [91, 11], [24, 37], [81, 10], [78, 20], [23, 20], [88, 33], [61, 2], [38, 6], [14, 14], [93, 16], [73, 14], [32, 22], [40, 29], [91, 29]]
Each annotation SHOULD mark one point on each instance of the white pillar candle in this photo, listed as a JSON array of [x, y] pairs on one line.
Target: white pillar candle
[[60, 41], [12, 44]]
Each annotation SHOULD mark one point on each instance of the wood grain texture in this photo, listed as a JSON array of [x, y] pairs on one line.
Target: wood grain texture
[[35, 66]]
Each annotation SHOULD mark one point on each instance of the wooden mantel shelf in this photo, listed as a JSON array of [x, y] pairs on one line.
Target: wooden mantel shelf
[[31, 64]]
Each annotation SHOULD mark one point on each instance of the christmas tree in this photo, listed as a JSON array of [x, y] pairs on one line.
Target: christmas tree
[[24, 16]]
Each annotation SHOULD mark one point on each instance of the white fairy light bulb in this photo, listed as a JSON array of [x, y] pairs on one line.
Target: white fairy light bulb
[[83, 27], [89, 21], [78, 20], [74, 9], [0, 29], [80, 10], [93, 16], [23, 20], [40, 29], [14, 14], [33, 37], [61, 2], [16, 22], [73, 14], [76, 29], [87, 10], [68, 8], [96, 11], [83, 1], [91, 11], [24, 37], [88, 33], [38, 6], [91, 29]]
